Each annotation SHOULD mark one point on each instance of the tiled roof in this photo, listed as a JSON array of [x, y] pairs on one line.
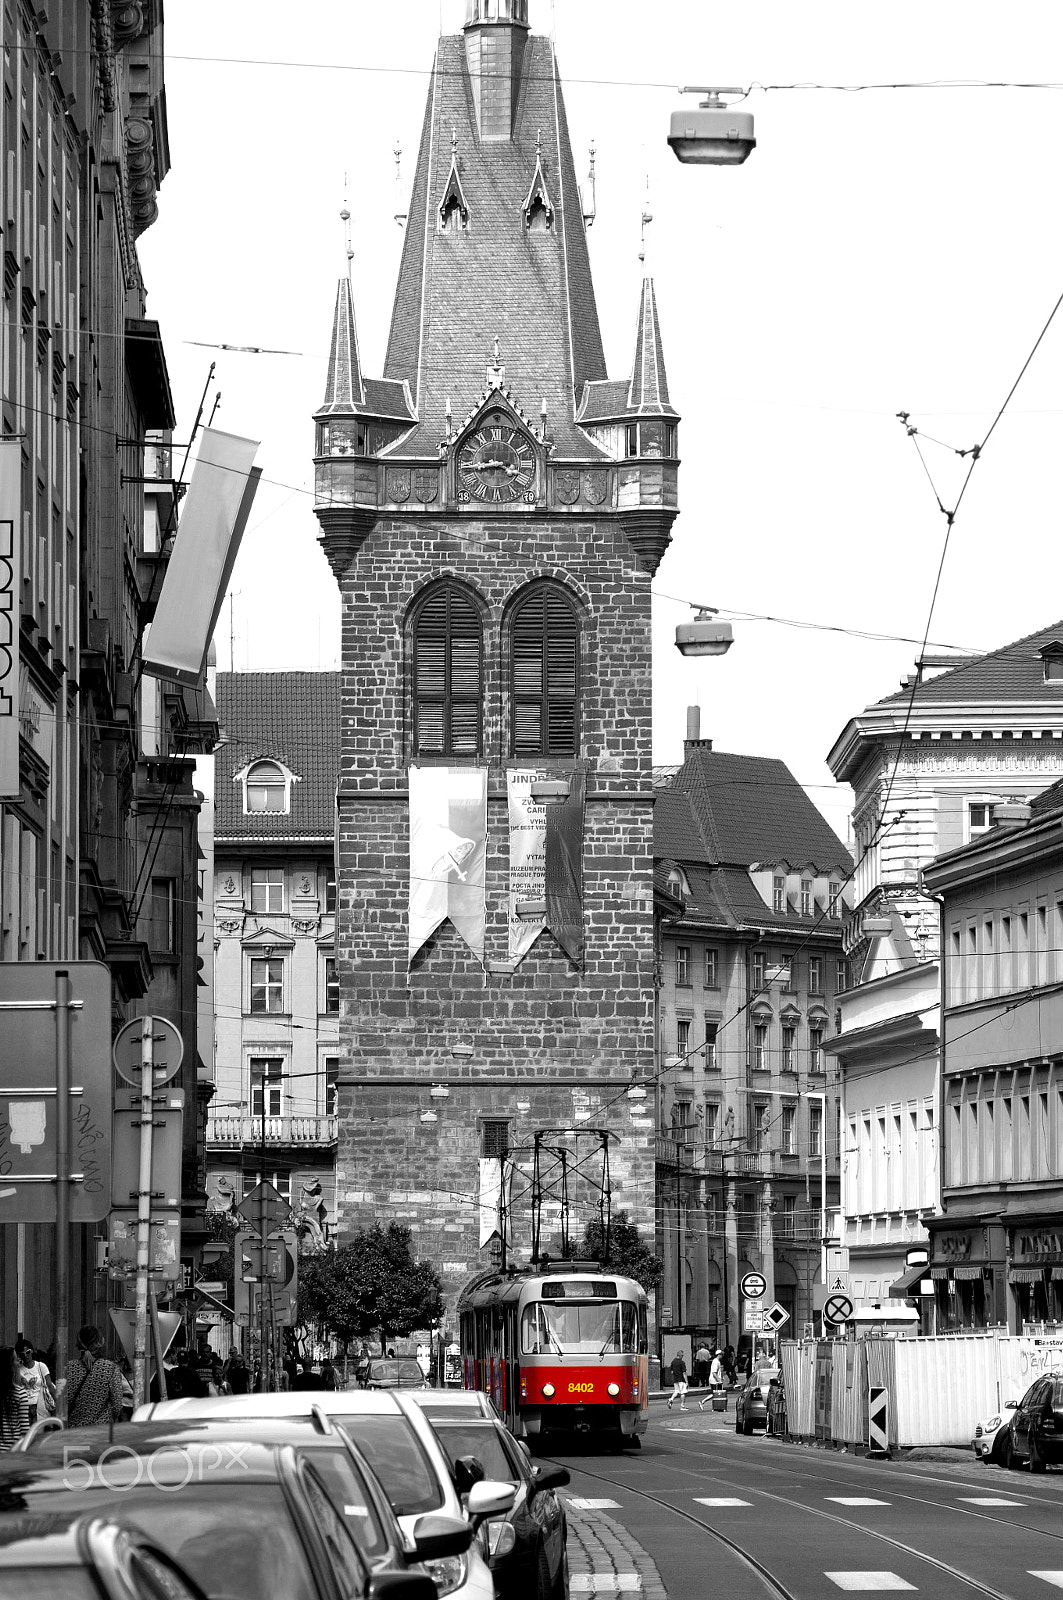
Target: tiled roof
[[344, 392], [676, 835], [289, 717], [458, 291], [604, 400], [1050, 799], [385, 397], [648, 391], [1013, 674], [752, 809]]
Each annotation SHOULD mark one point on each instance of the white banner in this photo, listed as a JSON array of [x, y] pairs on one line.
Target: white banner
[[527, 862], [448, 853], [10, 549], [212, 523]]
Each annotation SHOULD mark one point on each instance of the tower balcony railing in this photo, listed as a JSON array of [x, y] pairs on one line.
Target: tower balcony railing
[[232, 1132]]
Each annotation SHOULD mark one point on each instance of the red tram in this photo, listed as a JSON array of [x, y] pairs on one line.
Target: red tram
[[561, 1351]]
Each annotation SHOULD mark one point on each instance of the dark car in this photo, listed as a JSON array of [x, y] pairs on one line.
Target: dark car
[[751, 1406], [1032, 1434], [397, 1372], [86, 1558], [526, 1548], [289, 1514]]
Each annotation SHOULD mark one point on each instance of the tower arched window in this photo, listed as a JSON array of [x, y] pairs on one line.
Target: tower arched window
[[544, 653], [448, 674]]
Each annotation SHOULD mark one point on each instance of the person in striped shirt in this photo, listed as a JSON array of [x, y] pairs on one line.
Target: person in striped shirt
[[14, 1401]]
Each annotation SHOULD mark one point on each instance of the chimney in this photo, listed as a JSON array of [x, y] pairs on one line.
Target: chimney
[[693, 740]]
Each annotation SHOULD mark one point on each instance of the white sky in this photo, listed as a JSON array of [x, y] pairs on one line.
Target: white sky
[[878, 252]]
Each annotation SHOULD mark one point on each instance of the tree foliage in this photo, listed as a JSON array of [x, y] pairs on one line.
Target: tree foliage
[[628, 1253], [370, 1285]]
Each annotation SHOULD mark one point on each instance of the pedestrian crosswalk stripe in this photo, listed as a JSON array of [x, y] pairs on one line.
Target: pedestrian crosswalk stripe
[[605, 1582], [869, 1582], [988, 1500], [1055, 1578], [855, 1500], [583, 1503], [722, 1501]]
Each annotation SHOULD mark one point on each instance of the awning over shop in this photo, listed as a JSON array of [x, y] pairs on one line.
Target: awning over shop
[[1026, 1275], [1056, 1274], [938, 1273], [909, 1283], [966, 1274]]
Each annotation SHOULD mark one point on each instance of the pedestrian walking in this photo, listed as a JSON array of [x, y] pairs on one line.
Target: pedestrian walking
[[93, 1384], [678, 1369], [729, 1364], [35, 1379], [702, 1358], [14, 1403], [715, 1379]]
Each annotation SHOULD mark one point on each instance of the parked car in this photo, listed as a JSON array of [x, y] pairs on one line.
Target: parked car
[[400, 1446], [751, 1405], [1032, 1434], [989, 1438], [455, 1403], [84, 1558], [527, 1547], [397, 1372], [245, 1516]]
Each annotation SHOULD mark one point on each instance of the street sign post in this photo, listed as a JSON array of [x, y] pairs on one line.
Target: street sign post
[[837, 1308], [754, 1286], [775, 1317], [167, 1119], [168, 1049], [752, 1318]]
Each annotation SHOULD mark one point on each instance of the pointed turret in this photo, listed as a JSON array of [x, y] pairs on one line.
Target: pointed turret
[[648, 389], [344, 390]]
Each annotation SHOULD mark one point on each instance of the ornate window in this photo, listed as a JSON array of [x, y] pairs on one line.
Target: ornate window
[[544, 637], [266, 787], [448, 674]]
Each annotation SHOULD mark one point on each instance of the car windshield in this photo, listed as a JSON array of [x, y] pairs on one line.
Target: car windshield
[[394, 1372], [350, 1497], [564, 1327], [393, 1451], [236, 1540], [482, 1440]]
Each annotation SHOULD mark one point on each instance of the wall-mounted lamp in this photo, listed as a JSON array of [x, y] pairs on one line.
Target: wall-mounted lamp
[[547, 789], [531, 910], [464, 1051], [429, 1116], [440, 1091], [636, 1092]]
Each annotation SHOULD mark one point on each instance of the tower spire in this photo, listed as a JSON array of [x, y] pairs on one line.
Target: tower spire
[[344, 389], [648, 389]]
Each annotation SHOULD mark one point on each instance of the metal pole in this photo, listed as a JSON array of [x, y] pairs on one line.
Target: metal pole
[[263, 1230], [823, 1190], [62, 1171], [147, 1107], [156, 1339]]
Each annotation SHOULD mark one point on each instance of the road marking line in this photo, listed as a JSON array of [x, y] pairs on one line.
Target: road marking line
[[1055, 1578], [855, 1500], [605, 1582], [868, 1581], [988, 1500], [582, 1503], [722, 1501]]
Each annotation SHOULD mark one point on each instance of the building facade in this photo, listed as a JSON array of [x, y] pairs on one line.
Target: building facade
[[494, 509], [996, 1248], [276, 993], [752, 969]]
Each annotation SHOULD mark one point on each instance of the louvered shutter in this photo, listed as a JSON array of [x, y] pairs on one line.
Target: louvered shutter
[[448, 675], [545, 668]]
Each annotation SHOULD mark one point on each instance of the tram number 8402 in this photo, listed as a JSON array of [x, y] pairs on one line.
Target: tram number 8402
[[581, 1388]]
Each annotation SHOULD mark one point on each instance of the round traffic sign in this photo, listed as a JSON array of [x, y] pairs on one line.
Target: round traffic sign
[[167, 1048], [754, 1285], [837, 1308]]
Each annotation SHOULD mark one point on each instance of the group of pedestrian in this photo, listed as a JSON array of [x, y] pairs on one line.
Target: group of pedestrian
[[714, 1370], [26, 1390]]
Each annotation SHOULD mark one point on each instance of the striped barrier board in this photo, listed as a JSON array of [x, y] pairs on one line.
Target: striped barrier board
[[878, 1420]]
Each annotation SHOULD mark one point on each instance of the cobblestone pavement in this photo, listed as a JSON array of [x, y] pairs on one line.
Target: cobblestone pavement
[[604, 1558]]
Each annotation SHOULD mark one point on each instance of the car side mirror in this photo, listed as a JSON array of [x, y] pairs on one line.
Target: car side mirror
[[401, 1586], [436, 1536], [489, 1499], [1011, 1405], [468, 1472], [550, 1478]]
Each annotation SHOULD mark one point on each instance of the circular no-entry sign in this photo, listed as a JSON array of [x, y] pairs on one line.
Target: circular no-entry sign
[[838, 1308], [754, 1285], [167, 1050]]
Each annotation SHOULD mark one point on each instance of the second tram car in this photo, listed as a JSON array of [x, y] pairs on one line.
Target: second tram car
[[560, 1351]]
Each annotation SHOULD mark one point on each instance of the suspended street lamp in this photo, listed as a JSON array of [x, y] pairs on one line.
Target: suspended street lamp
[[705, 636], [715, 134]]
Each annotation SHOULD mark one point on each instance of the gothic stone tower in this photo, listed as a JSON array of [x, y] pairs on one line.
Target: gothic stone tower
[[493, 509]]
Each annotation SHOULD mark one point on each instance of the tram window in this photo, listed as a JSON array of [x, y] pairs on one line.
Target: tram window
[[643, 1332], [584, 1329]]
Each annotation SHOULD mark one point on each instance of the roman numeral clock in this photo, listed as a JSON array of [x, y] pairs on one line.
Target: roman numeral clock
[[496, 463]]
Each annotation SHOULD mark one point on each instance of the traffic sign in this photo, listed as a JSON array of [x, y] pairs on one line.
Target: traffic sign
[[125, 1323], [261, 1259], [752, 1319], [164, 1260], [839, 1283], [776, 1317], [265, 1205], [754, 1285], [167, 1050], [167, 1118], [838, 1308], [28, 1015]]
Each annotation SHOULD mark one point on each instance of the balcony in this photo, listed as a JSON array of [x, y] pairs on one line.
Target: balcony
[[231, 1132], [674, 1153]]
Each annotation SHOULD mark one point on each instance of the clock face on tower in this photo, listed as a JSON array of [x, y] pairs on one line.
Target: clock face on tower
[[496, 464]]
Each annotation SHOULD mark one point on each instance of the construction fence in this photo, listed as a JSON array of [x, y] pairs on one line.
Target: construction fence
[[908, 1391]]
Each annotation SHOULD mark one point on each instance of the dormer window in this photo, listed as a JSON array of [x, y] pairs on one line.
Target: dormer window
[[1052, 656], [540, 216], [453, 210], [778, 895], [267, 788]]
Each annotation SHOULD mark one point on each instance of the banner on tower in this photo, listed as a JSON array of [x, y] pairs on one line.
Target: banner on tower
[[545, 864], [448, 853], [10, 550]]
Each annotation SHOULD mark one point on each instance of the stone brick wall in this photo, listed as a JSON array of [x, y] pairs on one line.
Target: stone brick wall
[[550, 1045]]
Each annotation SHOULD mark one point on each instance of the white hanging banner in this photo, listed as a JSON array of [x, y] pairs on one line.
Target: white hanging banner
[[10, 578], [448, 853], [527, 863]]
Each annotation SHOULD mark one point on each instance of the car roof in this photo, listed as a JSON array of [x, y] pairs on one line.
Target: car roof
[[258, 1456], [289, 1403], [453, 1400]]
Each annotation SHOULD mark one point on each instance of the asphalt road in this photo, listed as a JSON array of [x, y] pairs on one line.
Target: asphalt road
[[758, 1519]]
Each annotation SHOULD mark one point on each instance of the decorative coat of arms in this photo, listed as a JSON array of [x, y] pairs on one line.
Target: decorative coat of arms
[[398, 487], [426, 486], [595, 487], [566, 487]]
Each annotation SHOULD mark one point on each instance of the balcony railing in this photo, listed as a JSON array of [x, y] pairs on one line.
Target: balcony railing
[[234, 1131]]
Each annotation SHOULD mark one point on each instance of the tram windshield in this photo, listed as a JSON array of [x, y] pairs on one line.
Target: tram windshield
[[566, 1328]]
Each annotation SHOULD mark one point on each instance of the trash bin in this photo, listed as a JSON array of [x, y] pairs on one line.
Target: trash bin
[[719, 1402]]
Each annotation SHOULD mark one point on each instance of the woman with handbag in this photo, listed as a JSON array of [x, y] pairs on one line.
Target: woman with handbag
[[93, 1384], [36, 1380], [14, 1405]]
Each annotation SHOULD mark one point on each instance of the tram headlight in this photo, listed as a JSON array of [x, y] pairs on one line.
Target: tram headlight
[[613, 1389], [548, 1390]]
